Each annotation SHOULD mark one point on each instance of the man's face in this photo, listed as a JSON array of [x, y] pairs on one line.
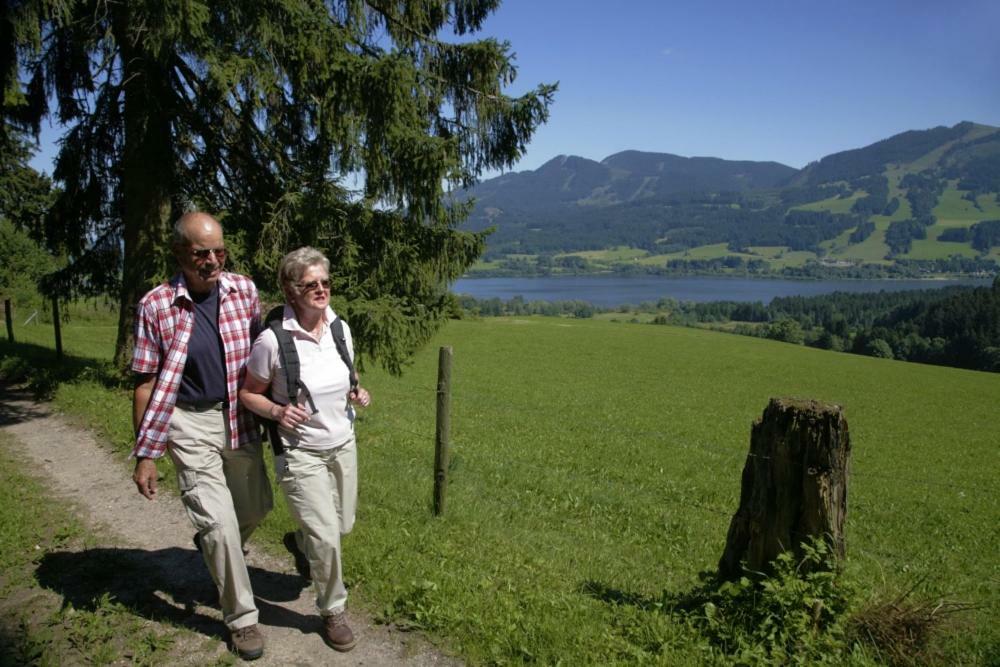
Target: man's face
[[203, 257]]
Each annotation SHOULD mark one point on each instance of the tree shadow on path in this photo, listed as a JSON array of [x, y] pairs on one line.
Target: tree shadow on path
[[164, 585], [17, 405]]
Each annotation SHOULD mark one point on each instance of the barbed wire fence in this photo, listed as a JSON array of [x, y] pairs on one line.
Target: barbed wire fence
[[495, 403]]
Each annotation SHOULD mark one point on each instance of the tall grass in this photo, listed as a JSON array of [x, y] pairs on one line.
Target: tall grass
[[595, 466], [604, 453]]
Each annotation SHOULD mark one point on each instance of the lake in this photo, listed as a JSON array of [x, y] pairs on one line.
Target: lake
[[610, 291]]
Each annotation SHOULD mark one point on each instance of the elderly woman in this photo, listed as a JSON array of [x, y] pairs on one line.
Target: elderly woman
[[317, 471]]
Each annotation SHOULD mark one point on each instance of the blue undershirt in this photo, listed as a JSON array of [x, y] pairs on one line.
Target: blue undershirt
[[204, 376]]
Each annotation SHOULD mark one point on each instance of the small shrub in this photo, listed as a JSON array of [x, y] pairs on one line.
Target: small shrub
[[879, 348], [795, 616]]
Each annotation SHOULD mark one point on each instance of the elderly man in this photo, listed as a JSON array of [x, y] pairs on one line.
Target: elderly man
[[192, 339]]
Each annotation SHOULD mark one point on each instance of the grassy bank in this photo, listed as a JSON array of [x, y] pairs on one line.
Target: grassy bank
[[595, 467]]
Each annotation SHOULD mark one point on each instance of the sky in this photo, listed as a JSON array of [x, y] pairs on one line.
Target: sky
[[768, 80], [788, 81]]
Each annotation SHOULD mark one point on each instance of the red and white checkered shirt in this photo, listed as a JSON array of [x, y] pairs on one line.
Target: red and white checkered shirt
[[163, 324]]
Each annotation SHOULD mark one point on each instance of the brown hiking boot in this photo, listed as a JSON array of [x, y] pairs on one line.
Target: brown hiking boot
[[248, 642], [301, 562], [336, 632]]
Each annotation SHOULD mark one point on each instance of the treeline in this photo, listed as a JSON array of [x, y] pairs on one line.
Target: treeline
[[495, 307], [952, 326], [980, 173], [876, 202], [548, 264], [902, 148], [902, 268]]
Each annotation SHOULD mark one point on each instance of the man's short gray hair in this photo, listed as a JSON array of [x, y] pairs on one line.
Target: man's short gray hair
[[296, 263]]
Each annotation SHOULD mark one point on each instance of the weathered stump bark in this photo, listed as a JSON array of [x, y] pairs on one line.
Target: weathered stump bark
[[794, 485]]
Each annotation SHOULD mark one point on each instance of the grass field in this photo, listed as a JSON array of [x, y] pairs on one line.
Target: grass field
[[833, 204], [595, 466], [780, 256], [931, 248], [617, 254], [954, 211]]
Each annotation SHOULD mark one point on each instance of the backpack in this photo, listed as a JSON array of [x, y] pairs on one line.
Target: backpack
[[290, 365]]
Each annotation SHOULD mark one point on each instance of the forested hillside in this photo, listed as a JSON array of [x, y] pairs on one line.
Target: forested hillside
[[921, 201]]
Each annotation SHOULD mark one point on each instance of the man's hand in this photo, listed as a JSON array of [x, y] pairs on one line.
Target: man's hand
[[145, 477]]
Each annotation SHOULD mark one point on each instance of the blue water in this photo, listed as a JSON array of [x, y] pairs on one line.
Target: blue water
[[613, 291]]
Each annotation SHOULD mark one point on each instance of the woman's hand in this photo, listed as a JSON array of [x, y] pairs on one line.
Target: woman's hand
[[360, 396], [289, 415]]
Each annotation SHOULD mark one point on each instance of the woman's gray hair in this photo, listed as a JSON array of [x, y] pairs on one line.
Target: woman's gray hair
[[296, 263]]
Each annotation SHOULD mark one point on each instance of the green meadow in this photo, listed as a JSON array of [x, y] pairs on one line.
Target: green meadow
[[833, 204], [955, 211], [595, 466]]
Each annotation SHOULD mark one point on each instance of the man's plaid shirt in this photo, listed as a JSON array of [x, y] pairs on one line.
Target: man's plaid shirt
[[163, 324]]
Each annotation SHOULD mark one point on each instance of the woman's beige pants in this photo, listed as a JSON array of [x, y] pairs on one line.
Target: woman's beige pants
[[321, 487]]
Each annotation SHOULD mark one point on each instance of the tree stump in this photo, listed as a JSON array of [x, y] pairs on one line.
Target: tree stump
[[794, 485]]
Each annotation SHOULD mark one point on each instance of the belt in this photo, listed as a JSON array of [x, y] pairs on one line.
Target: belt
[[201, 406]]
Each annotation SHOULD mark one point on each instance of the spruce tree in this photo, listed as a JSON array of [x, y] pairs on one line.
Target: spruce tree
[[342, 124]]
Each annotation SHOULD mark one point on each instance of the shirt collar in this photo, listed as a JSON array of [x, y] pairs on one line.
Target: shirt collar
[[181, 291], [289, 322]]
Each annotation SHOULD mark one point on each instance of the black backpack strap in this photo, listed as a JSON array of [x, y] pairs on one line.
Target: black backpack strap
[[290, 367], [340, 340]]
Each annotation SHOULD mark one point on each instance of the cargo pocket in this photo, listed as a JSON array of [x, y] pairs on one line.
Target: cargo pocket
[[187, 481], [292, 490]]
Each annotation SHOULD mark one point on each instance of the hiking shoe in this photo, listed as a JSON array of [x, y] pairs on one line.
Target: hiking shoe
[[336, 632], [248, 642], [301, 562], [197, 544]]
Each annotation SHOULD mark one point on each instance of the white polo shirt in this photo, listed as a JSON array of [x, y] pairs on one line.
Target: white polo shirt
[[321, 370]]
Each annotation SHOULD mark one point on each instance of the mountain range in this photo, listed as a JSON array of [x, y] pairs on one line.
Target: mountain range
[[665, 204]]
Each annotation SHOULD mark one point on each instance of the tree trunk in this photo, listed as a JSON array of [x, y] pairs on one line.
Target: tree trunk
[[794, 485], [147, 178]]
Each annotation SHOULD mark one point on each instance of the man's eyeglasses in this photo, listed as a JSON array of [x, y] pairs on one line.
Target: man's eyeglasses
[[313, 285], [202, 253]]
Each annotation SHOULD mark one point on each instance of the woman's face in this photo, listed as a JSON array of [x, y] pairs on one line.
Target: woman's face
[[312, 291]]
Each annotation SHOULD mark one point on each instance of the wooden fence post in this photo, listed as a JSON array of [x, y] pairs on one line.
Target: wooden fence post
[[57, 327], [9, 317], [794, 485], [442, 433]]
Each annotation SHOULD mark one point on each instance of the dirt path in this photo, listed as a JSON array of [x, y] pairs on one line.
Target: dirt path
[[145, 558]]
